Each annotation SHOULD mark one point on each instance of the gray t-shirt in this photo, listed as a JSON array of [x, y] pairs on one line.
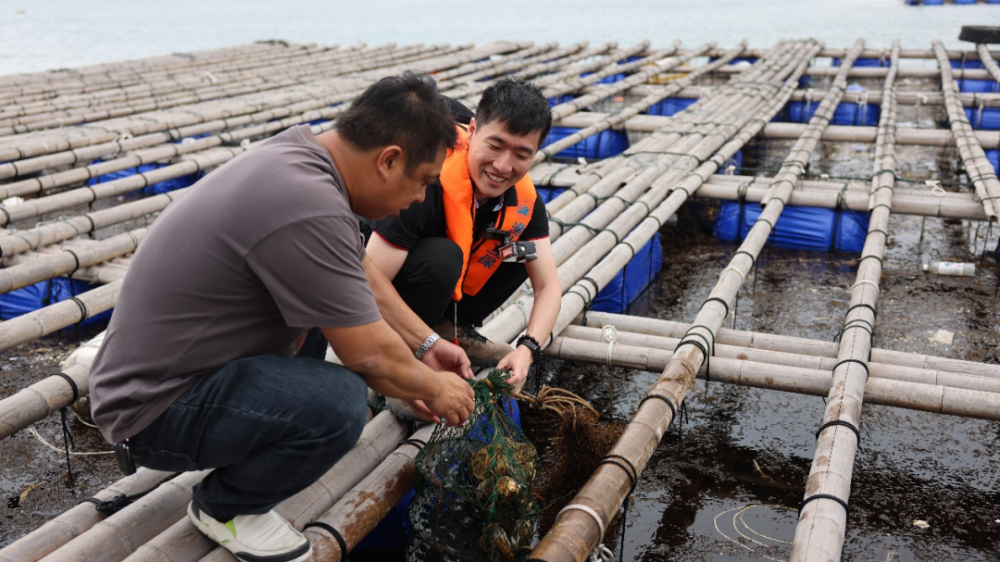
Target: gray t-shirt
[[260, 250]]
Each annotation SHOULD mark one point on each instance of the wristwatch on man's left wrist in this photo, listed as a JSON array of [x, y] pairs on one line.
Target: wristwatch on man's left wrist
[[532, 344]]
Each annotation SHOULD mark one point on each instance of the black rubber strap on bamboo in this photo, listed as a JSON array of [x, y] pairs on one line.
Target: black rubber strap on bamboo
[[753, 260], [121, 501], [418, 443], [863, 305], [724, 303], [83, 309], [71, 383], [6, 215], [858, 361], [329, 529], [825, 497], [654, 396], [881, 205], [76, 260], [878, 231], [633, 476], [704, 350], [843, 423]]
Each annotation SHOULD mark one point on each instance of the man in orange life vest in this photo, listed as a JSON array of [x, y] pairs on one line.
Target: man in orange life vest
[[442, 253]]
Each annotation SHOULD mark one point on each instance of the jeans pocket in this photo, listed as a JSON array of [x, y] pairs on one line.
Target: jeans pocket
[[168, 461]]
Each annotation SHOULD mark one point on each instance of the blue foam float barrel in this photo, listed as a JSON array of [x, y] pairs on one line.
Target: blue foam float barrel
[[605, 144], [798, 228]]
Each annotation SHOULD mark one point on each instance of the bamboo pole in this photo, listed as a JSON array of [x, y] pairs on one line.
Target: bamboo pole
[[868, 96], [381, 436], [872, 53], [957, 380], [816, 382], [70, 524], [113, 129], [974, 160], [786, 344], [973, 74], [575, 533], [822, 523], [833, 133], [68, 261], [988, 61], [361, 509], [121, 120]]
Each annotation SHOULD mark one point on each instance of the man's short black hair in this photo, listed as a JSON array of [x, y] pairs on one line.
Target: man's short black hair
[[518, 104], [404, 110]]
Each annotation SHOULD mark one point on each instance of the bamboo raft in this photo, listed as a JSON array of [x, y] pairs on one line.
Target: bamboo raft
[[62, 132]]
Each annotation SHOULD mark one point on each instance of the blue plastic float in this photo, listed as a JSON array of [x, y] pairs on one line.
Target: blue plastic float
[[45, 293], [605, 144], [799, 228]]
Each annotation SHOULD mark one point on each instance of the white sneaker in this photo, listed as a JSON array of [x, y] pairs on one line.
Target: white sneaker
[[255, 538]]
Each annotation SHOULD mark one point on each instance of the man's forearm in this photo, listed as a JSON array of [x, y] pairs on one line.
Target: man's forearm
[[544, 312], [394, 310]]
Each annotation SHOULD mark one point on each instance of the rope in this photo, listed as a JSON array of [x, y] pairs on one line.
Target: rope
[[633, 476], [867, 282], [843, 423], [824, 497], [601, 552], [610, 334]]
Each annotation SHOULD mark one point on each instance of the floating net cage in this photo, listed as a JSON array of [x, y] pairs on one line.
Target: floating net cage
[[474, 497]]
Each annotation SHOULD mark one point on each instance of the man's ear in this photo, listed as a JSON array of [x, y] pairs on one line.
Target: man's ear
[[472, 126], [390, 160]]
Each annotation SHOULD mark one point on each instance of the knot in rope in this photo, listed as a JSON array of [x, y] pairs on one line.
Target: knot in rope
[[610, 334]]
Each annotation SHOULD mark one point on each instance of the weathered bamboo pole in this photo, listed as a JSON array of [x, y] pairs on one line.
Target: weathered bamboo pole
[[70, 524], [43, 399], [576, 533], [510, 321], [860, 72], [987, 58], [68, 261], [112, 539], [381, 436], [974, 160], [569, 207], [361, 509], [202, 87], [620, 117], [787, 344], [822, 525], [868, 96], [873, 53], [25, 148], [52, 318], [792, 359], [833, 133], [123, 114], [816, 382]]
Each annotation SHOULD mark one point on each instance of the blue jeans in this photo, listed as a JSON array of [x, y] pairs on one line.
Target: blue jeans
[[269, 425]]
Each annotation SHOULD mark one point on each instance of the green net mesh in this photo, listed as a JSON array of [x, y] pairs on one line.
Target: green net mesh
[[474, 497]]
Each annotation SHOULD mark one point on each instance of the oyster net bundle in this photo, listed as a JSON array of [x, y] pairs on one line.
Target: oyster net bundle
[[474, 497]]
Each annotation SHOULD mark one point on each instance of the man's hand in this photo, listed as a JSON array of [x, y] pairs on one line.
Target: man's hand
[[446, 356], [517, 362], [454, 401]]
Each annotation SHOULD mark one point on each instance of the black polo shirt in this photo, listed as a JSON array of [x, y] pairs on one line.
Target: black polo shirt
[[426, 220]]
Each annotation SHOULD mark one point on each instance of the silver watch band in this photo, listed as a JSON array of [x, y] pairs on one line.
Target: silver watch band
[[424, 347]]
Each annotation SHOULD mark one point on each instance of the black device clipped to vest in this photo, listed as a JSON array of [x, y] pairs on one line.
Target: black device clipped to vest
[[510, 250], [123, 452]]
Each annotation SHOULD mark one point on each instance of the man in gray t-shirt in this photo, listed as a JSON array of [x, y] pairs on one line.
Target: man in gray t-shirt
[[197, 368]]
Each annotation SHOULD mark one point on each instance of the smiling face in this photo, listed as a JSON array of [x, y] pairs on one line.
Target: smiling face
[[498, 158]]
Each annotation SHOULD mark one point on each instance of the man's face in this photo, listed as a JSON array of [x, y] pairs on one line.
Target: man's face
[[401, 189], [498, 158]]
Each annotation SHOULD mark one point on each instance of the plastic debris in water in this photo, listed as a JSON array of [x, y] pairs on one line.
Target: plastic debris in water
[[921, 523]]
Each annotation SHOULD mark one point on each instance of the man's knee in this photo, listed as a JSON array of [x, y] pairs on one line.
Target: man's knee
[[338, 415]]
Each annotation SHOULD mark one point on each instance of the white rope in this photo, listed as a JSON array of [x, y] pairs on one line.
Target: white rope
[[867, 282], [601, 552], [54, 448], [936, 189], [610, 334]]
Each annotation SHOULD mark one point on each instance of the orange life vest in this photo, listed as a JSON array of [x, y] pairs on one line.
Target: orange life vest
[[479, 257]]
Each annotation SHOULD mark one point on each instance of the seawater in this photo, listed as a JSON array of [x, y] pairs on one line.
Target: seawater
[[38, 35]]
